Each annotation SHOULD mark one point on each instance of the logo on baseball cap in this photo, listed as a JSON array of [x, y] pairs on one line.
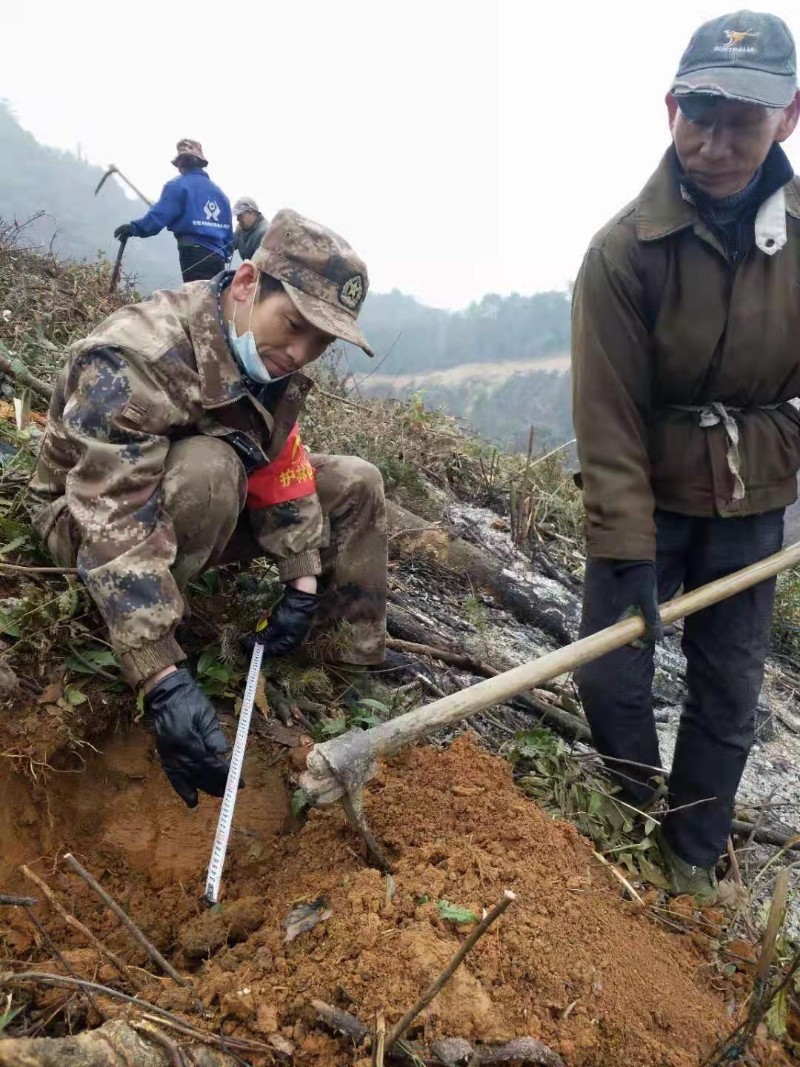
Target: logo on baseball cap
[[747, 56]]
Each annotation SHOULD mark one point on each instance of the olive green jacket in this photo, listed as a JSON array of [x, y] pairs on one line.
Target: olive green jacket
[[661, 322]]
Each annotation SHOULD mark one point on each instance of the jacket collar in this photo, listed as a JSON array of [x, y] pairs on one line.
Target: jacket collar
[[221, 381], [662, 208]]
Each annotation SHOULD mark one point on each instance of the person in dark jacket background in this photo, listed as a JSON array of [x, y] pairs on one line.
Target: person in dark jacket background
[[252, 227], [196, 210]]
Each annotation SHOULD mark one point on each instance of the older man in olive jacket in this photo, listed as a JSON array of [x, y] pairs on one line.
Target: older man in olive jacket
[[686, 351]]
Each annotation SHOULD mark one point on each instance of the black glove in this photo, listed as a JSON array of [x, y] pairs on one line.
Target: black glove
[[637, 590], [123, 232], [190, 742], [289, 623]]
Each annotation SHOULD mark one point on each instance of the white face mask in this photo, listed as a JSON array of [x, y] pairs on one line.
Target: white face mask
[[244, 348]]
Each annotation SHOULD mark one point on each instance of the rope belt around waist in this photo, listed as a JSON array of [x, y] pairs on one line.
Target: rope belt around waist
[[716, 414]]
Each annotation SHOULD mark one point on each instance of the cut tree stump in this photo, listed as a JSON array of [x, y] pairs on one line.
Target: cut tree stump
[[409, 534], [114, 1044]]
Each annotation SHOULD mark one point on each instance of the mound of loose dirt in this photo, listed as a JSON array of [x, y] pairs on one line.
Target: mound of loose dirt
[[569, 962]]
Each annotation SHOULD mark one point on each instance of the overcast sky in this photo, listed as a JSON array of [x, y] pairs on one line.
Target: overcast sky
[[462, 147]]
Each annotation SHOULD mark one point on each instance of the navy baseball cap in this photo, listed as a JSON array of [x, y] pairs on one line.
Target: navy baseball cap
[[748, 56]]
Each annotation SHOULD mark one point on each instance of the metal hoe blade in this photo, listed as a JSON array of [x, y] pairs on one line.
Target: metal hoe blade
[[225, 820], [353, 804], [351, 771], [112, 169], [117, 265]]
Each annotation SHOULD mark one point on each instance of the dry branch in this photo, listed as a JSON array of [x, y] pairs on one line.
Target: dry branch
[[84, 931], [769, 946], [626, 885], [150, 1011], [37, 570], [339, 1020], [438, 984], [380, 1040], [112, 1044], [455, 659], [790, 840], [129, 924], [564, 723], [16, 369]]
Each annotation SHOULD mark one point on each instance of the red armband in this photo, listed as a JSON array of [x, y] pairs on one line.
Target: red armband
[[289, 476]]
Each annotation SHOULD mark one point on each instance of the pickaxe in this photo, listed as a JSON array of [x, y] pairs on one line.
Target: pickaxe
[[339, 769], [112, 169]]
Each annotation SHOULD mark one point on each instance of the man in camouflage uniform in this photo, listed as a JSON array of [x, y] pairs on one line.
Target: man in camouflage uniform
[[172, 444]]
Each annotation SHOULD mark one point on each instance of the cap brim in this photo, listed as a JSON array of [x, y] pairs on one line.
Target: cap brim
[[189, 155], [326, 318], [739, 83]]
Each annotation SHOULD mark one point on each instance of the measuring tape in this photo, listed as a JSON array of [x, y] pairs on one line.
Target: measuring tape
[[225, 820]]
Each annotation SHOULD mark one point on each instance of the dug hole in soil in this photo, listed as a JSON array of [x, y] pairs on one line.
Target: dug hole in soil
[[569, 962]]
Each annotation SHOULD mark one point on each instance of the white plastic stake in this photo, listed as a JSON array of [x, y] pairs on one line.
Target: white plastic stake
[[225, 821], [22, 409]]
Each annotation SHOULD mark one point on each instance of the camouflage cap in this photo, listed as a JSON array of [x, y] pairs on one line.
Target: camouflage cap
[[319, 270], [189, 148]]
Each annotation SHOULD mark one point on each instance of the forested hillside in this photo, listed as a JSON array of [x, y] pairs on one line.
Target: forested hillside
[[55, 190], [52, 192], [420, 338]]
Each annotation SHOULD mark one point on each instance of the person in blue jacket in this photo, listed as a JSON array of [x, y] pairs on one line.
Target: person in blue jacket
[[196, 211]]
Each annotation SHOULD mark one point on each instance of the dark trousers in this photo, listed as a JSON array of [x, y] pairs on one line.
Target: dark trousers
[[725, 648], [199, 264]]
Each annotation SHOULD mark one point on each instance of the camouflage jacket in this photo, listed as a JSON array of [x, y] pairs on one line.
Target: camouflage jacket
[[151, 374]]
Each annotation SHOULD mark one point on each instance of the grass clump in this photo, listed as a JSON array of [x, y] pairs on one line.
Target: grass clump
[[786, 617], [416, 448], [46, 302]]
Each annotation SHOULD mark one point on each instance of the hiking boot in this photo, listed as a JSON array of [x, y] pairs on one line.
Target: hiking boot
[[685, 879]]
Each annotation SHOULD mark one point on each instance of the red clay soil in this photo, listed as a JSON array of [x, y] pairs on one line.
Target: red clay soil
[[569, 962]]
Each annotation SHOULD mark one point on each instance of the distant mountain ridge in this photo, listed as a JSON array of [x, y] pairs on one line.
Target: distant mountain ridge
[[55, 189], [502, 364], [59, 187], [410, 337]]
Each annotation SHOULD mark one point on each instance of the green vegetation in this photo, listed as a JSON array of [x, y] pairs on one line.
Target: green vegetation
[[453, 913], [8, 1014], [503, 411], [786, 624], [576, 788]]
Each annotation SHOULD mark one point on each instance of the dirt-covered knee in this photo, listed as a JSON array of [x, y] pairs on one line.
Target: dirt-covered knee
[[365, 479], [204, 483]]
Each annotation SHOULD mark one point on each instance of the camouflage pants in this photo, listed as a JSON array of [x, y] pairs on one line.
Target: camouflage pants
[[203, 492]]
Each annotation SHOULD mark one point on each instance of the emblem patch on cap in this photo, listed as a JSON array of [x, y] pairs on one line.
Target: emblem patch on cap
[[351, 292], [737, 41]]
